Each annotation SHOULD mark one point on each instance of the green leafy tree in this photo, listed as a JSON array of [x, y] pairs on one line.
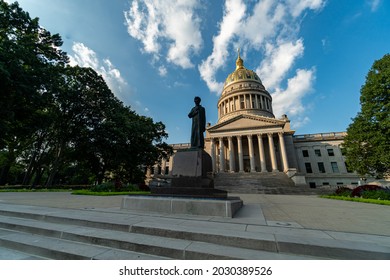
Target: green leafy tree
[[62, 124], [367, 144], [28, 54]]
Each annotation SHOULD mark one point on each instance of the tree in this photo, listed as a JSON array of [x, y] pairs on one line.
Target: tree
[[367, 144], [28, 54], [61, 124]]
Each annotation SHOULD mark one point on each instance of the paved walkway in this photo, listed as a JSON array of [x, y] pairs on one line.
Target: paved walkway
[[309, 212], [351, 220]]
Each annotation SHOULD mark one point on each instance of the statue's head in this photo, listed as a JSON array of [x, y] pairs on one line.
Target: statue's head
[[197, 100]]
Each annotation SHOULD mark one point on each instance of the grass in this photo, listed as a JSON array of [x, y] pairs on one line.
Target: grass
[[358, 199]]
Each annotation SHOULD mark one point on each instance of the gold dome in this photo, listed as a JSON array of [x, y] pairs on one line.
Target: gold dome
[[241, 73]]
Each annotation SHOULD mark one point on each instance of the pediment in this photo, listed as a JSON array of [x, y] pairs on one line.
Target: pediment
[[246, 122]]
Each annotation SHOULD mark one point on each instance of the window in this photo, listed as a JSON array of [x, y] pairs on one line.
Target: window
[[317, 152], [312, 185], [325, 183], [321, 167], [335, 167], [330, 152], [308, 167], [305, 153]]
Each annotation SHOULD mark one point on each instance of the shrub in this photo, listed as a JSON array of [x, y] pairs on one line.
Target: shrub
[[114, 187], [358, 191], [343, 191], [105, 187], [380, 194], [143, 187]]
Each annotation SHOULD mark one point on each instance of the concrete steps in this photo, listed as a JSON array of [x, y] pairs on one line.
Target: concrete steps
[[262, 183], [67, 241], [82, 234]]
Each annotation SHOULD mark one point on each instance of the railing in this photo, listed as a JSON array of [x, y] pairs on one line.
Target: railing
[[320, 136], [180, 146]]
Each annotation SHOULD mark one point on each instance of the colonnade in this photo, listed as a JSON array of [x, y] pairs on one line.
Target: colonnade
[[244, 101], [231, 148]]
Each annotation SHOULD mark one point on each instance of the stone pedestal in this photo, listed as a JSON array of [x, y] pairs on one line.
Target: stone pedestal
[[191, 176], [188, 191], [226, 208]]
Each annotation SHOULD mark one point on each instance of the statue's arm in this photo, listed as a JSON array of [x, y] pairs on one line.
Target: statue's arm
[[193, 112]]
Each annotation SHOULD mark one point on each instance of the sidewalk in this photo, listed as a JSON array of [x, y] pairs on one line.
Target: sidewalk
[[291, 216], [308, 212]]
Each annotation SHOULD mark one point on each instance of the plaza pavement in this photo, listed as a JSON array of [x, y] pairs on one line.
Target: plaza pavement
[[298, 216]]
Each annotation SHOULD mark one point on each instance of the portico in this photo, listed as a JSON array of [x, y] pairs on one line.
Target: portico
[[260, 152]]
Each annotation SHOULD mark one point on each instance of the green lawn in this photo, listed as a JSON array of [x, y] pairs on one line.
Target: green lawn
[[358, 199]]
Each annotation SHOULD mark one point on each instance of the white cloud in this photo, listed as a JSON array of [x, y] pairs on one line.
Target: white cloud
[[298, 6], [233, 14], [86, 57], [374, 4], [278, 61], [162, 70], [265, 20], [289, 101], [157, 23]]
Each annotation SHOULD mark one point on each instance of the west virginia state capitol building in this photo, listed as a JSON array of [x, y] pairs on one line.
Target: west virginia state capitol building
[[248, 138]]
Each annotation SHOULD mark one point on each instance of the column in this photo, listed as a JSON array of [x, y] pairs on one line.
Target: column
[[221, 155], [251, 154], [163, 166], [261, 153], [148, 172], [283, 150], [231, 155], [213, 159], [240, 155], [155, 171], [170, 165], [272, 152]]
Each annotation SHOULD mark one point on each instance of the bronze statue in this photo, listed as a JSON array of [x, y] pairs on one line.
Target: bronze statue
[[198, 115]]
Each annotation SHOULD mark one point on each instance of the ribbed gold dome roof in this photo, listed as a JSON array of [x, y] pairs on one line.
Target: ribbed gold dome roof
[[241, 73]]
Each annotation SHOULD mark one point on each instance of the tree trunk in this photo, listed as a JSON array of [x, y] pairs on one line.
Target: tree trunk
[[27, 176], [56, 165], [4, 174], [8, 163]]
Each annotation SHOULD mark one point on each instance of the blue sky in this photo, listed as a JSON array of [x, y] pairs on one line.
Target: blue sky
[[156, 55]]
